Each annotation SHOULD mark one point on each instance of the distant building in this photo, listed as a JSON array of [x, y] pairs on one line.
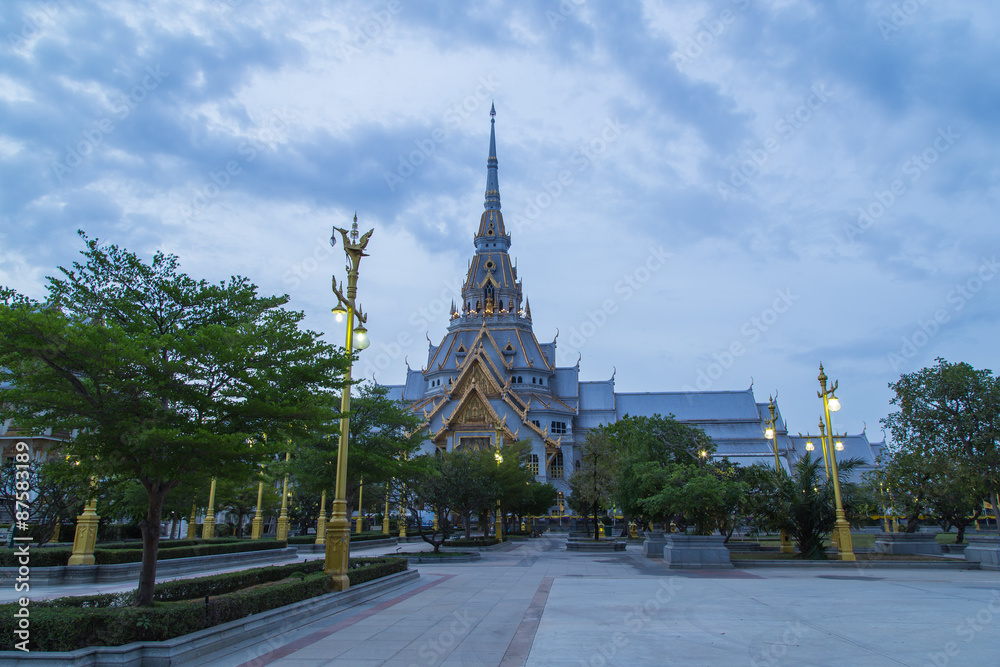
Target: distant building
[[490, 380]]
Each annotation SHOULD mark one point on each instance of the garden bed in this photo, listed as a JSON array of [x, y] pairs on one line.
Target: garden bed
[[182, 606]]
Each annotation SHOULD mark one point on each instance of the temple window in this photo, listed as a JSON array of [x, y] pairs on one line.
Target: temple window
[[533, 464], [556, 467], [558, 428]]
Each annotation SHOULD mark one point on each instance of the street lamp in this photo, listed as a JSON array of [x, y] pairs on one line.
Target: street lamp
[[498, 525], [338, 530], [842, 529], [771, 434]]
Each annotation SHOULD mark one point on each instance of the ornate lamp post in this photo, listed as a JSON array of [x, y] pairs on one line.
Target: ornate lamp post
[[208, 528], [498, 525], [257, 528], [361, 488], [338, 530], [321, 520], [385, 515], [282, 534], [771, 433], [842, 529]]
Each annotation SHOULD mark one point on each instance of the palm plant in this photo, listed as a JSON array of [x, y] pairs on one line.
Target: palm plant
[[804, 505]]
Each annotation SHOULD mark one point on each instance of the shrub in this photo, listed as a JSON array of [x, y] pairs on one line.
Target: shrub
[[67, 624]]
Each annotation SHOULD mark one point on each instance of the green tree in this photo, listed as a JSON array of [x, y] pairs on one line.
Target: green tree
[[384, 439], [162, 375], [953, 410], [592, 487], [934, 483], [646, 446]]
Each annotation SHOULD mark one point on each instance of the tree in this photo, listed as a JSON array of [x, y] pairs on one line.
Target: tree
[[384, 439], [436, 484], [951, 410], [931, 482], [647, 445], [161, 375], [592, 487]]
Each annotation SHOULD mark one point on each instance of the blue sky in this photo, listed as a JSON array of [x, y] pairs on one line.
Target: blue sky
[[700, 194]]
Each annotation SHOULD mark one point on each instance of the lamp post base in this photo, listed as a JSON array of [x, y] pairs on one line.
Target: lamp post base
[[842, 530], [86, 536], [786, 543], [258, 527], [338, 546]]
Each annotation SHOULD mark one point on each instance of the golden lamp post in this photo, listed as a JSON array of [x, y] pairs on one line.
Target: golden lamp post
[[257, 528], [771, 433], [338, 530], [282, 529], [498, 525], [321, 520], [385, 515], [841, 529], [810, 447], [361, 489], [208, 528]]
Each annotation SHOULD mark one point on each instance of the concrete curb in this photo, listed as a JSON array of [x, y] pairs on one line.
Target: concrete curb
[[740, 564], [184, 649], [94, 574], [419, 558], [355, 546]]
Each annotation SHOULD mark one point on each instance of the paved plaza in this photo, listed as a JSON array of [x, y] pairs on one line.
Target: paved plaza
[[533, 603], [536, 604]]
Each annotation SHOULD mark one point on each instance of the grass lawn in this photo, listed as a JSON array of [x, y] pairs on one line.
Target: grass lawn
[[859, 540]]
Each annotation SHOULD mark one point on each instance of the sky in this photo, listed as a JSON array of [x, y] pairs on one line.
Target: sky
[[700, 195]]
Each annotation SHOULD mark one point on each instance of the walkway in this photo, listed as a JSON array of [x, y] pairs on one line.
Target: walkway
[[536, 604]]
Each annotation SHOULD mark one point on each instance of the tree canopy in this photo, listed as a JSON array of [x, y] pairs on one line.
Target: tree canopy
[[945, 432], [160, 375]]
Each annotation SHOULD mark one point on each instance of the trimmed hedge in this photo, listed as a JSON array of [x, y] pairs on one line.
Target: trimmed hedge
[[67, 624], [58, 556]]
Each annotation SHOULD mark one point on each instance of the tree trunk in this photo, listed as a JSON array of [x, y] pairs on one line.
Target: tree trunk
[[467, 521], [150, 526]]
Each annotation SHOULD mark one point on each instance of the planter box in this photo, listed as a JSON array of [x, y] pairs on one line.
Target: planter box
[[652, 546], [594, 546], [919, 543], [983, 550], [696, 552], [907, 544]]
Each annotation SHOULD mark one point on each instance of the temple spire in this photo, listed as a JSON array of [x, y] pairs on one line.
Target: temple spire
[[492, 182]]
